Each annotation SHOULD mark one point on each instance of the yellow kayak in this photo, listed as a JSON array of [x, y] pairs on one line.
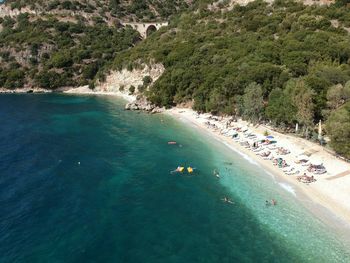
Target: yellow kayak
[[190, 169]]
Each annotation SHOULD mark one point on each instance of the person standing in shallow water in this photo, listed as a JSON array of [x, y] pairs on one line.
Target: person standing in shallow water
[[273, 202]]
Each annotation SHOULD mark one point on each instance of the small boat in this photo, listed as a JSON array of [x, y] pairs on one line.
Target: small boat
[[190, 169], [172, 142]]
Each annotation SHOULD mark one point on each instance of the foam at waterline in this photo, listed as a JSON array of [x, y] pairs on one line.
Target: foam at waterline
[[272, 175], [245, 156], [288, 188]]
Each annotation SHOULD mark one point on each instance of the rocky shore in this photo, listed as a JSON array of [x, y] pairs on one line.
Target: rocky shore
[[142, 104], [25, 90]]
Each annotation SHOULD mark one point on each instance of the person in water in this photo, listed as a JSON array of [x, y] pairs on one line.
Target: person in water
[[273, 202], [226, 200], [216, 173]]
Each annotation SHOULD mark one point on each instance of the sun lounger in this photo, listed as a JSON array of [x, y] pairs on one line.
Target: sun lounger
[[257, 149], [294, 172], [306, 179], [323, 171], [289, 170], [272, 147], [268, 158]]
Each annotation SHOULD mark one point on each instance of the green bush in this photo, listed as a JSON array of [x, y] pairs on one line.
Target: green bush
[[14, 79], [338, 129], [61, 60], [146, 81], [132, 89]]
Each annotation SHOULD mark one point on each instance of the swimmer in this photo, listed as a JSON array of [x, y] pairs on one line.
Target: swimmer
[[267, 203], [216, 173], [273, 202], [78, 163], [226, 200]]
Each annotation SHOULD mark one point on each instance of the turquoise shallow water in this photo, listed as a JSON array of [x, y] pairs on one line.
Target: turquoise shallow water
[[121, 204]]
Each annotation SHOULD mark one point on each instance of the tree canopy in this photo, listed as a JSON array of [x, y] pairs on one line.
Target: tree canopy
[[283, 63]]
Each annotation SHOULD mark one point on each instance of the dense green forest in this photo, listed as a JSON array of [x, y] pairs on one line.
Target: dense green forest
[[51, 54], [69, 43], [283, 63]]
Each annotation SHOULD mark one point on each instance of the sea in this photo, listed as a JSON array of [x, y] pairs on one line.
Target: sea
[[82, 180]]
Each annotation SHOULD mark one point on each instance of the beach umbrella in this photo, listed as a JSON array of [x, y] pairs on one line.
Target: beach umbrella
[[231, 133], [316, 162], [296, 128], [260, 137], [320, 131]]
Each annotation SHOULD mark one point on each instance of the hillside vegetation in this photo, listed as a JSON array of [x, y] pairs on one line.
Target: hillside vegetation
[[285, 63], [137, 10], [58, 43], [52, 54], [281, 62]]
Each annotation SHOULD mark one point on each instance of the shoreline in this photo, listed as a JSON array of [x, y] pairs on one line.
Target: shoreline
[[324, 198], [84, 90], [332, 194]]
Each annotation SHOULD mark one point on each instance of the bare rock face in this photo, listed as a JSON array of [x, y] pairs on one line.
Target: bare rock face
[[125, 79], [142, 104]]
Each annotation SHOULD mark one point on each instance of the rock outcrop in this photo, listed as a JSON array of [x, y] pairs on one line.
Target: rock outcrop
[[122, 81], [142, 104]]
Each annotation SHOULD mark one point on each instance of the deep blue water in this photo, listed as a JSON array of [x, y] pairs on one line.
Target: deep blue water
[[121, 204]]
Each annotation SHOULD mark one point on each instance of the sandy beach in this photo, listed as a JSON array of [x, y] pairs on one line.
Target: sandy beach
[[330, 190]]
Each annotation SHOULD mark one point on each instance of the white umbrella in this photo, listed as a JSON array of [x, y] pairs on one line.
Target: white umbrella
[[316, 162], [260, 137], [231, 133], [250, 141]]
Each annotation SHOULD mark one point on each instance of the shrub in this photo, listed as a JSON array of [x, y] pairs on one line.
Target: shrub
[[338, 129], [147, 80], [132, 89], [91, 85]]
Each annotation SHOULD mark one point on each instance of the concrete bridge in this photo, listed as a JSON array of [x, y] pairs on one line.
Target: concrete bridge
[[145, 28]]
